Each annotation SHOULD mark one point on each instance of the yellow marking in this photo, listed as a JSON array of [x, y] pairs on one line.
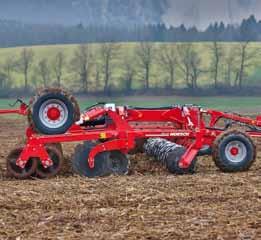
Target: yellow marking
[[103, 135]]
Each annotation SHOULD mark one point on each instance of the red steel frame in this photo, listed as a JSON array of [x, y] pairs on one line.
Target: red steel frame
[[180, 124]]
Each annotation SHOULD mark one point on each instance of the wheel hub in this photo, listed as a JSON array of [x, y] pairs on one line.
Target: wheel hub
[[236, 151], [53, 113]]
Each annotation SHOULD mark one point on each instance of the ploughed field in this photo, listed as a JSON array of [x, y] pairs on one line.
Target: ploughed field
[[149, 203]]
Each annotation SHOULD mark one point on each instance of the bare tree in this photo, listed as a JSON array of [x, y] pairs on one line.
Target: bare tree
[[246, 58], [228, 63], [107, 51], [97, 75], [129, 72], [190, 64], [195, 62], [217, 54], [2, 80], [184, 63], [58, 65], [168, 61], [82, 63], [43, 70], [24, 64], [8, 67], [145, 55]]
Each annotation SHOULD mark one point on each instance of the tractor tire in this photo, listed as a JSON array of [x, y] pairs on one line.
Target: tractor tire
[[55, 153], [15, 171], [53, 111], [106, 163], [172, 163], [234, 151]]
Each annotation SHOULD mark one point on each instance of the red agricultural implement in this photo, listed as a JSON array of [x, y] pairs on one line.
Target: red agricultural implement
[[175, 135]]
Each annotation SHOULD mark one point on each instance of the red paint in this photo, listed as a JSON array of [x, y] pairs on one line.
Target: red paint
[[128, 125], [234, 151], [53, 113]]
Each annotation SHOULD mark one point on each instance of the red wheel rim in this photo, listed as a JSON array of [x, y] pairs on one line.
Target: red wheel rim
[[234, 151], [53, 113]]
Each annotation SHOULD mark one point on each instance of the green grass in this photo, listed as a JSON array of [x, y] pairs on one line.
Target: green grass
[[4, 103], [240, 104]]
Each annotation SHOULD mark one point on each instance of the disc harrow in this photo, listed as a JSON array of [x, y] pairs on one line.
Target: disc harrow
[[175, 135]]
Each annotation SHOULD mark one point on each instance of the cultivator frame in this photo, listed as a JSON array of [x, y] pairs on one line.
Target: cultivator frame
[[183, 124]]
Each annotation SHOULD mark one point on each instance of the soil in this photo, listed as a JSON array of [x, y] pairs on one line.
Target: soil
[[149, 203]]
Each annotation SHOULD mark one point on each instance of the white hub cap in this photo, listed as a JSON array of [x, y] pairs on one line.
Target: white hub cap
[[53, 113], [236, 151]]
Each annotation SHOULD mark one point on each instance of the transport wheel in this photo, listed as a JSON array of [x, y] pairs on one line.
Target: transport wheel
[[173, 160], [80, 162], [56, 156], [15, 171], [234, 151], [53, 111]]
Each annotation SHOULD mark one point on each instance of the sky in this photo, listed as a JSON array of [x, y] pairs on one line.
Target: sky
[[201, 12]]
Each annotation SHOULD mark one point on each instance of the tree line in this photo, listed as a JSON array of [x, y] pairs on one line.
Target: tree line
[[95, 68], [14, 33]]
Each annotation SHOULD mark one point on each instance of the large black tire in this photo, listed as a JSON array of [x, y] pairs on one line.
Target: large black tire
[[64, 113], [173, 161], [40, 126], [106, 163], [234, 151]]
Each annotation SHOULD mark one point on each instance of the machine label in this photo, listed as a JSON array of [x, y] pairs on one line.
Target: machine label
[[179, 134], [168, 135]]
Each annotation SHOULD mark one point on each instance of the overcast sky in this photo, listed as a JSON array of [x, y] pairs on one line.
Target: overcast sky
[[202, 12]]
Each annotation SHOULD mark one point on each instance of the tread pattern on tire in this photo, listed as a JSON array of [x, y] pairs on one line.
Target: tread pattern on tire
[[216, 153], [45, 91]]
